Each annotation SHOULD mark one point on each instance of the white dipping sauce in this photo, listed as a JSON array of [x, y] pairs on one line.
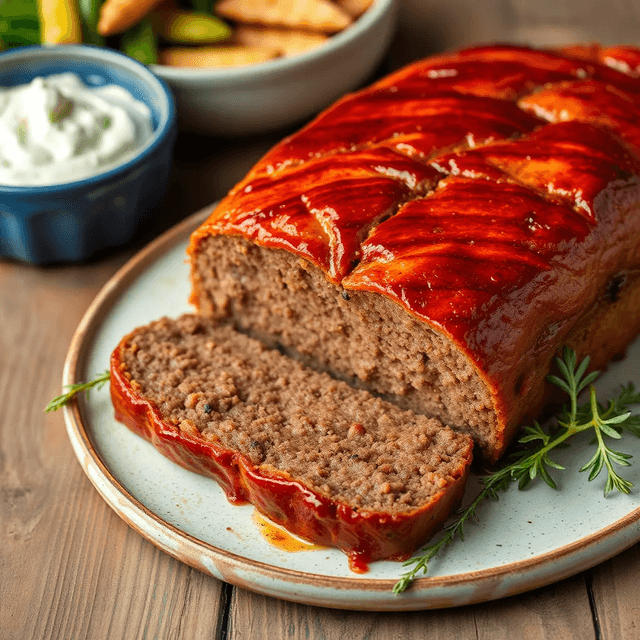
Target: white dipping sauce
[[56, 130]]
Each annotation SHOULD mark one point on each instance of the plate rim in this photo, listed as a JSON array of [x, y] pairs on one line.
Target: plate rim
[[416, 598]]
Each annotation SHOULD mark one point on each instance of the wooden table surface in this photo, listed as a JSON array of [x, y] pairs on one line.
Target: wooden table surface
[[71, 569]]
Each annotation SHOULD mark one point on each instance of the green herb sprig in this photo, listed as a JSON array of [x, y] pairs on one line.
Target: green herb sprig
[[74, 389], [532, 459]]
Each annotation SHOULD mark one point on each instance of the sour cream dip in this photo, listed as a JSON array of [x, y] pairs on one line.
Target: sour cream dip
[[56, 130]]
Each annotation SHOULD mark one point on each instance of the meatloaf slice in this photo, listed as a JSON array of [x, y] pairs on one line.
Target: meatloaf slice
[[332, 464]]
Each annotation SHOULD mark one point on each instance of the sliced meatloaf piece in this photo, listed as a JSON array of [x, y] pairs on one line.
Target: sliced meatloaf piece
[[332, 464], [437, 237]]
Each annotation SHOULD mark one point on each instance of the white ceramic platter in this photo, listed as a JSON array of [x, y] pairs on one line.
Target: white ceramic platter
[[526, 540]]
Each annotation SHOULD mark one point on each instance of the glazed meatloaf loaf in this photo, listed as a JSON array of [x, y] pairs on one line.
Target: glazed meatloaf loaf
[[437, 237], [331, 463]]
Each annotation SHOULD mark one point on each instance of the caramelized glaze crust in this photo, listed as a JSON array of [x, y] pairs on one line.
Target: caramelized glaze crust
[[492, 193]]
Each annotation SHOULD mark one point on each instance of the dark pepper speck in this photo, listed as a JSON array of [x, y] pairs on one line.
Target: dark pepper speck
[[614, 286], [208, 408], [345, 295]]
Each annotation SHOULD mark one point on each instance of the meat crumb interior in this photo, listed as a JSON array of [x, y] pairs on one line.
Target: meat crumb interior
[[359, 337]]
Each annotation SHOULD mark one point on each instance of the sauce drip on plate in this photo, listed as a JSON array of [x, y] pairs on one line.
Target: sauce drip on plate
[[279, 537]]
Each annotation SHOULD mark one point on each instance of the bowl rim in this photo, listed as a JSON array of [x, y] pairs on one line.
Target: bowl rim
[[373, 15], [99, 55]]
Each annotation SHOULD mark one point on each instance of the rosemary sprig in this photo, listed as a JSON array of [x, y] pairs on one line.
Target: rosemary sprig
[[74, 389], [532, 459]]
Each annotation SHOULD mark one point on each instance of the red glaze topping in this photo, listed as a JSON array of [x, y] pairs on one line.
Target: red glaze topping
[[588, 101], [497, 71], [363, 535], [324, 208], [412, 120], [569, 162], [446, 256], [622, 58], [502, 247]]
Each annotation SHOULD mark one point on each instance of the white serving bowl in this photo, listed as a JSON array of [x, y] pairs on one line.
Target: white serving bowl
[[279, 93]]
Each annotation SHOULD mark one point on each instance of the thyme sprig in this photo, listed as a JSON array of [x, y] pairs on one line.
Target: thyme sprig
[[74, 389], [532, 459]]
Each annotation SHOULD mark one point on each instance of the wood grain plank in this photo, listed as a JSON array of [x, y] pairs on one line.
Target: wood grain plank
[[70, 567], [38, 313], [615, 592], [559, 611]]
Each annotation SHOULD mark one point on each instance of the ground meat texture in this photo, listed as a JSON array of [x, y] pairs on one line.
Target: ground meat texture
[[362, 338], [192, 383]]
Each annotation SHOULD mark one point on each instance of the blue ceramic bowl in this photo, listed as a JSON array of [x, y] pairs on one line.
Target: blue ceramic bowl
[[69, 222]]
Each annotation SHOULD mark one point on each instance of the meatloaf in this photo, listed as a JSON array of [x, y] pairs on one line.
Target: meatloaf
[[331, 463], [436, 237]]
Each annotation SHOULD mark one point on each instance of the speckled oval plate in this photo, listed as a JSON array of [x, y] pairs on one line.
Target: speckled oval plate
[[526, 540]]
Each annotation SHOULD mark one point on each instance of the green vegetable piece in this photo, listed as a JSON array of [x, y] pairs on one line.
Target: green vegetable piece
[[139, 42], [187, 27], [19, 23], [22, 132], [22, 23], [18, 9], [20, 38], [89, 16], [532, 459], [74, 389]]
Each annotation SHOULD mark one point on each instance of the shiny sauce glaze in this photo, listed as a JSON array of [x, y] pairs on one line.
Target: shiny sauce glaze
[[507, 200], [279, 537]]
